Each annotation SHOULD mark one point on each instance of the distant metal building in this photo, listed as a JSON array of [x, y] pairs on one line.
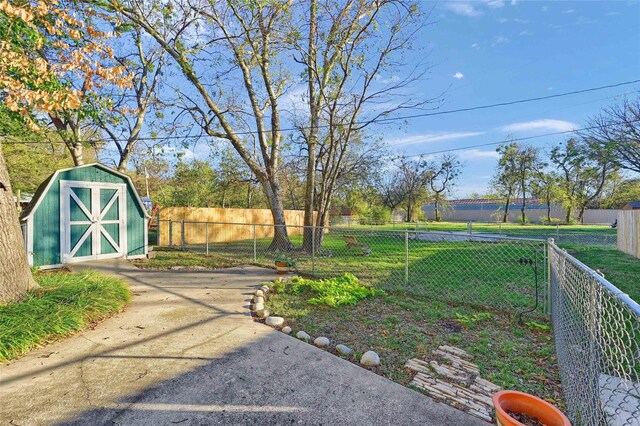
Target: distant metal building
[[85, 213], [632, 205]]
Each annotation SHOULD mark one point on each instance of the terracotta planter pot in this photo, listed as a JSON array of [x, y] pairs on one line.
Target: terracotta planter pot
[[519, 402], [282, 268]]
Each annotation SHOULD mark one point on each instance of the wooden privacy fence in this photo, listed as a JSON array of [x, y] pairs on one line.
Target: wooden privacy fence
[[217, 225], [629, 232]]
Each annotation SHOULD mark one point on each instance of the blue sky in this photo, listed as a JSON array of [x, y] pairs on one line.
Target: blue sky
[[488, 51], [494, 51]]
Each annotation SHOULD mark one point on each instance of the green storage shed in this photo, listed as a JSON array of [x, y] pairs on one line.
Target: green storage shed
[[85, 213]]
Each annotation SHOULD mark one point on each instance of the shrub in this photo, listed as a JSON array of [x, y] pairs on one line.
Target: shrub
[[553, 221], [277, 287], [377, 215], [344, 290]]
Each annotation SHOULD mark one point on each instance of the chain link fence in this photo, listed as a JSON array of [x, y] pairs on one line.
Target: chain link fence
[[484, 270], [597, 336], [597, 329]]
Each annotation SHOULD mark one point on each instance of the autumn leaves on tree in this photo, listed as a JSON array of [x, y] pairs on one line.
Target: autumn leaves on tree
[[50, 61]]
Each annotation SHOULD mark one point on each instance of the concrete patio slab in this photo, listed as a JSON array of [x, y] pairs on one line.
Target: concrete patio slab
[[187, 352]]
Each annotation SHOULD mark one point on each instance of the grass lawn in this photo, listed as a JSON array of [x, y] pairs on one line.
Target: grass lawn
[[166, 258], [618, 268], [65, 304], [400, 327]]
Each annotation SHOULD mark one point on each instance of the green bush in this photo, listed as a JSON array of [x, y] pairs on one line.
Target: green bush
[[553, 221], [377, 215], [344, 290], [277, 287]]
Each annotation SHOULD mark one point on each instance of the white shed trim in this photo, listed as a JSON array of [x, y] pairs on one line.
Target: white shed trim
[[103, 167]]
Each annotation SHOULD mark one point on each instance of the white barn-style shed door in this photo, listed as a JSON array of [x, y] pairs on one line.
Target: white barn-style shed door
[[92, 220]]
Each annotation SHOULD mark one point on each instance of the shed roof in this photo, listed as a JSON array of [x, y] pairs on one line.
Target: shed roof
[[44, 187], [634, 204]]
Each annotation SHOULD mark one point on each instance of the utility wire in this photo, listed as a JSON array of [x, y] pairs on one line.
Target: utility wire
[[526, 138], [475, 108], [378, 121]]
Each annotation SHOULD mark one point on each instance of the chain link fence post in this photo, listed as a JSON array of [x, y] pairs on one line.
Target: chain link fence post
[[406, 259], [313, 248], [171, 233], [182, 242], [255, 245], [547, 255]]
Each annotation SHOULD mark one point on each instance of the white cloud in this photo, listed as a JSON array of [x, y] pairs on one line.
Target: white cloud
[[475, 45], [545, 8], [569, 11], [514, 2], [476, 154], [463, 8], [499, 40], [432, 137], [458, 75], [293, 99], [584, 21], [544, 124], [526, 33], [495, 4], [502, 20]]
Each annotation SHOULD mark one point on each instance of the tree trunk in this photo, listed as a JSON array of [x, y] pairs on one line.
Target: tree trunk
[[280, 239], [437, 211], [314, 112], [524, 202], [548, 210], [294, 203], [77, 154], [322, 222], [15, 276], [567, 217], [505, 216], [124, 158]]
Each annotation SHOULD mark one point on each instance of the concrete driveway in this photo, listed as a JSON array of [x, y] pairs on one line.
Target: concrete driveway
[[187, 352]]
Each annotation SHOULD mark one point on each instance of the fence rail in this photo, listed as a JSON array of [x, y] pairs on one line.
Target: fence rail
[[597, 336]]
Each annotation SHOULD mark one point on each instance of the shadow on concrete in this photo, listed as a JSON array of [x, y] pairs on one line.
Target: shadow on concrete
[[181, 356]]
